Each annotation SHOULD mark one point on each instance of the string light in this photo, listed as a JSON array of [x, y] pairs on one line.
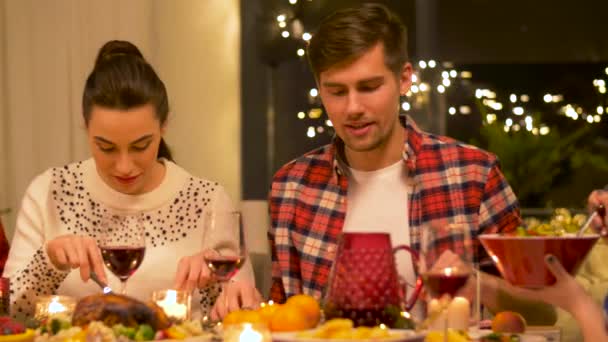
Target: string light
[[454, 73], [422, 64], [440, 89], [282, 24], [452, 110], [432, 64], [306, 36], [406, 106], [518, 110], [301, 115], [285, 34], [300, 52], [548, 98], [513, 98], [281, 17], [446, 82], [293, 2]]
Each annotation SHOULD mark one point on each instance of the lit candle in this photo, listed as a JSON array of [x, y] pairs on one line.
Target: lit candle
[[459, 312], [49, 306], [174, 306], [246, 333]]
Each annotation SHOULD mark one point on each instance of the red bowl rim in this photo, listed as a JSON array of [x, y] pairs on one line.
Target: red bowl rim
[[568, 237]]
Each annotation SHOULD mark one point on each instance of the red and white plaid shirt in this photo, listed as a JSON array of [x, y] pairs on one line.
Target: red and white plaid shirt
[[451, 182]]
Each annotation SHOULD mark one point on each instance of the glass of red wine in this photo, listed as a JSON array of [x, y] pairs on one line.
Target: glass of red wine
[[446, 263], [224, 243], [123, 245]]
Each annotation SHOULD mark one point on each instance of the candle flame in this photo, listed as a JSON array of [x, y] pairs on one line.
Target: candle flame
[[250, 335], [55, 306]]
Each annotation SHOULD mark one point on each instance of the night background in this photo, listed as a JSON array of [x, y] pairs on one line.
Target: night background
[[526, 80]]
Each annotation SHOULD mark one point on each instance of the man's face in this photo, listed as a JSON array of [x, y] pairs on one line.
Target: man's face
[[362, 100]]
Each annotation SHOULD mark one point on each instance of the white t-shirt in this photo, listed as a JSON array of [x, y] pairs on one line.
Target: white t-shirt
[[377, 202]]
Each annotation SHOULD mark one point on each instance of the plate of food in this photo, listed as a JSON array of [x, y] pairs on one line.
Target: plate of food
[[112, 317]]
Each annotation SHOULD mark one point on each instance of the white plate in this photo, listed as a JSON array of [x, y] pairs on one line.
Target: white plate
[[400, 336]]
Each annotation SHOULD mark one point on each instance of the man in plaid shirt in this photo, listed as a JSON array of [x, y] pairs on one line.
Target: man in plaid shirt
[[381, 173]]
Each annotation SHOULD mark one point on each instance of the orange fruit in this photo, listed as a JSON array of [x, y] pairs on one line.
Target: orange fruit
[[289, 318], [309, 306], [243, 316], [268, 310]]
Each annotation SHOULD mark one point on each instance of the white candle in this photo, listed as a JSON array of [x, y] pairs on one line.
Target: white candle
[[459, 312], [435, 309]]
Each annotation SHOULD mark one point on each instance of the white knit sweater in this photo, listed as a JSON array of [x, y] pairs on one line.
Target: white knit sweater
[[71, 200]]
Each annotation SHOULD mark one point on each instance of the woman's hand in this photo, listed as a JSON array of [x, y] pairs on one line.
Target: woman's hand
[[566, 293], [192, 272], [71, 251], [236, 294]]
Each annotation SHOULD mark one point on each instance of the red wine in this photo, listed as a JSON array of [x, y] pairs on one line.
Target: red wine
[[439, 283], [123, 261], [224, 267]]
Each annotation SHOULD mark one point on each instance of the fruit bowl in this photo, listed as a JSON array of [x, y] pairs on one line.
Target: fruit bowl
[[520, 259]]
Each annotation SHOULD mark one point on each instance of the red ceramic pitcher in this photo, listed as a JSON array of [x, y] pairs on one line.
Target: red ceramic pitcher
[[364, 284]]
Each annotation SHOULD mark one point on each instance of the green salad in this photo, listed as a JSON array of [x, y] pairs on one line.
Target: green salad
[[562, 222]]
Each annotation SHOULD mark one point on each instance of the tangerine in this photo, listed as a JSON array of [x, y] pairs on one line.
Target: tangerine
[[268, 310], [289, 318], [309, 306]]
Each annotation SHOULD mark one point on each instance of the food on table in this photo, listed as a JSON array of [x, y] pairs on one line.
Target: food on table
[[453, 336], [562, 222], [113, 309], [508, 322], [309, 306], [500, 337], [343, 329], [13, 331], [113, 317], [300, 312], [9, 326]]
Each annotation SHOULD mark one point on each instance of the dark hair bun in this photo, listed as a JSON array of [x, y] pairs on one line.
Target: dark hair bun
[[115, 48]]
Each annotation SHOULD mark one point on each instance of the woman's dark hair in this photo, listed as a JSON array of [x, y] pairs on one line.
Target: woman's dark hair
[[122, 79]]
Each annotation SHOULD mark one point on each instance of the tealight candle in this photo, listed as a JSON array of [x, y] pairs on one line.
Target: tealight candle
[[459, 312], [247, 332], [176, 304], [49, 306]]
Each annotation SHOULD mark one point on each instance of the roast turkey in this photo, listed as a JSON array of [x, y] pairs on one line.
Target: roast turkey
[[114, 309]]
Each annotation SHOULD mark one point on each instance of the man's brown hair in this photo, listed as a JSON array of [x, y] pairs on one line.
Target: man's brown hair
[[347, 34]]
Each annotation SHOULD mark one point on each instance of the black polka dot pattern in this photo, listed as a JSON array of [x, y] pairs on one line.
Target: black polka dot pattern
[[37, 279], [82, 215]]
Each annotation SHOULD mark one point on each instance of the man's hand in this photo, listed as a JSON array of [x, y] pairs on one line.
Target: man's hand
[[597, 198], [70, 251], [235, 295]]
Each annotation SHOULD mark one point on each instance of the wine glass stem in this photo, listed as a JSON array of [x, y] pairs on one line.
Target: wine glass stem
[[123, 287], [445, 324]]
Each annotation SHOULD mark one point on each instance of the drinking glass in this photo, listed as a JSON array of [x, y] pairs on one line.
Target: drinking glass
[[224, 243], [123, 245], [446, 263]]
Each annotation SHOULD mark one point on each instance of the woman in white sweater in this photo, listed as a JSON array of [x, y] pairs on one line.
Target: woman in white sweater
[[54, 249]]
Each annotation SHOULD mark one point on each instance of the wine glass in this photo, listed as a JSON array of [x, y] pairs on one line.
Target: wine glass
[[123, 245], [224, 243], [446, 263]]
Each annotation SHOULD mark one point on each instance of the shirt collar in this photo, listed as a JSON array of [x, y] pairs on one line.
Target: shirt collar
[[411, 147]]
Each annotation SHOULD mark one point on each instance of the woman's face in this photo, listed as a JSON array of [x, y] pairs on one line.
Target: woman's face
[[124, 144]]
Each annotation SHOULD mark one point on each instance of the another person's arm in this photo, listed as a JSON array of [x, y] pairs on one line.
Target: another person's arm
[[567, 294]]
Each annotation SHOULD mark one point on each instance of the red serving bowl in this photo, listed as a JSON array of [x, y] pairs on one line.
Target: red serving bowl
[[520, 259]]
